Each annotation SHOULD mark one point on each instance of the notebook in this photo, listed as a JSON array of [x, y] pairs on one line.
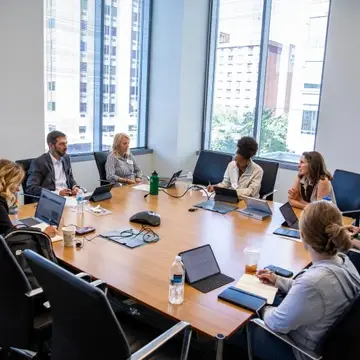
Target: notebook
[[252, 285]]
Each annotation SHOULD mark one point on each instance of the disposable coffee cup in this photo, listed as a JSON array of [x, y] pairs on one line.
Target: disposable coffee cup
[[69, 236]]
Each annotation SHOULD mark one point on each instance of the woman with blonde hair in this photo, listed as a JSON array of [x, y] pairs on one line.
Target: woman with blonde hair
[[318, 295], [121, 165], [11, 176]]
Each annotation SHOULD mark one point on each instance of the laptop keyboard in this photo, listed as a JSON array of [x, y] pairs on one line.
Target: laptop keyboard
[[212, 283], [30, 222]]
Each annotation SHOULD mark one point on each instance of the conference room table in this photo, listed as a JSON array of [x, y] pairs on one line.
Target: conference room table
[[142, 274]]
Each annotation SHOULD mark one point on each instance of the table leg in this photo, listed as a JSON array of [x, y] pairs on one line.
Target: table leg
[[220, 338]]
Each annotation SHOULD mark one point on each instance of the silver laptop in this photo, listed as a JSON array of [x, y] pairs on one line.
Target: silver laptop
[[49, 211], [256, 208]]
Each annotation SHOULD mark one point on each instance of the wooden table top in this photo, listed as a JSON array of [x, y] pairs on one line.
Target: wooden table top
[[143, 273]]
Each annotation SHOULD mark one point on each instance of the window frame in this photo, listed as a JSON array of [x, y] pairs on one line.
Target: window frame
[[143, 80], [210, 70]]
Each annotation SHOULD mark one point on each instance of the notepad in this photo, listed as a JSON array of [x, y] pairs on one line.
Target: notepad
[[253, 285], [142, 187]]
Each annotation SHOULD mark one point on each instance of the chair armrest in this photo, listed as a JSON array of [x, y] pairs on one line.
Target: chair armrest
[[351, 212], [84, 276], [264, 197], [101, 285], [25, 354], [151, 347], [281, 337], [35, 292]]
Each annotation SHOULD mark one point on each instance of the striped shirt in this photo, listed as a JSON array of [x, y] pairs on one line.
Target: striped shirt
[[121, 167]]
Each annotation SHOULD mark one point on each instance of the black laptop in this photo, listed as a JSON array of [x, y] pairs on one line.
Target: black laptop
[[202, 270], [168, 182], [291, 220], [49, 210]]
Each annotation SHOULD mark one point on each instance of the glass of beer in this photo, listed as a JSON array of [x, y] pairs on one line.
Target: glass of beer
[[252, 256]]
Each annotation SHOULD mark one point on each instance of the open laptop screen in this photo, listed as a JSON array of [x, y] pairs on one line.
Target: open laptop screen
[[50, 207], [199, 263], [288, 214]]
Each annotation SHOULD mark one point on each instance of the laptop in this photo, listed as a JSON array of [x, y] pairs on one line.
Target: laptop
[[48, 211], [290, 217], [256, 208], [202, 270], [100, 193], [168, 182], [225, 194]]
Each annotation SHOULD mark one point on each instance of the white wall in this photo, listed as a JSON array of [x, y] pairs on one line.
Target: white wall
[[177, 74], [339, 124], [21, 78]]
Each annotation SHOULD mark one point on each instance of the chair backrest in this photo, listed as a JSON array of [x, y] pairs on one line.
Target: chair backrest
[[16, 309], [269, 178], [26, 166], [100, 159], [346, 187], [84, 325], [211, 166], [341, 340]]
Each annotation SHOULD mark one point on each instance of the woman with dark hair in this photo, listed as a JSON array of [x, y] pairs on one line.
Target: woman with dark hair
[[242, 174], [313, 181]]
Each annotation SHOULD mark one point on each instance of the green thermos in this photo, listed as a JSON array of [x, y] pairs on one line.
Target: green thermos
[[154, 183]]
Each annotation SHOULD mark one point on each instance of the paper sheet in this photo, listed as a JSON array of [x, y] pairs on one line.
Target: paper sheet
[[70, 201], [42, 227], [252, 284], [142, 187]]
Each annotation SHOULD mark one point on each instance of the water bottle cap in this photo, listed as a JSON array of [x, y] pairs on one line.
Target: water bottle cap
[[178, 258], [154, 173]]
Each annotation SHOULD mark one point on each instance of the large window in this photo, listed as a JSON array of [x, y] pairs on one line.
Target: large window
[[264, 78], [99, 65]]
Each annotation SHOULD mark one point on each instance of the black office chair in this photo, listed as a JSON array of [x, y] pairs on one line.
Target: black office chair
[[269, 178], [100, 159], [210, 167], [340, 341], [84, 325], [26, 166], [346, 187], [23, 329]]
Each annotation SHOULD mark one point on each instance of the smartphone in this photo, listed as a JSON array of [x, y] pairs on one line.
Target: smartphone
[[280, 271], [84, 230], [287, 232]]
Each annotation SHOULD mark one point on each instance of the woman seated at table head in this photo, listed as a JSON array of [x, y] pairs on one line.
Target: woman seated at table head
[[11, 176], [242, 174], [313, 181], [320, 294], [121, 165]]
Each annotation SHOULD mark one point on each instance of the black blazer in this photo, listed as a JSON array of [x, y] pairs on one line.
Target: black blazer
[[42, 174], [5, 222]]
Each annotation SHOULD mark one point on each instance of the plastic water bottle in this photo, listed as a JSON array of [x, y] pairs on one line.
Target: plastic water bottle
[[80, 202], [154, 183], [176, 285], [189, 176]]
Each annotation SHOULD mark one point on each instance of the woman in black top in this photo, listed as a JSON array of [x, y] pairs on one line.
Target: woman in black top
[[11, 175]]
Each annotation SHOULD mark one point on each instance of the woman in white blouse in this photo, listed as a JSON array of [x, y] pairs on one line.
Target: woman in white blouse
[[242, 174]]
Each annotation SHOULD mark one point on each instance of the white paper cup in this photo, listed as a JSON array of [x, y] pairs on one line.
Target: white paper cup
[[69, 235]]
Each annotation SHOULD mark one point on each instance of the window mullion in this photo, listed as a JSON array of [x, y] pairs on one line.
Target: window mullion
[[260, 93]]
